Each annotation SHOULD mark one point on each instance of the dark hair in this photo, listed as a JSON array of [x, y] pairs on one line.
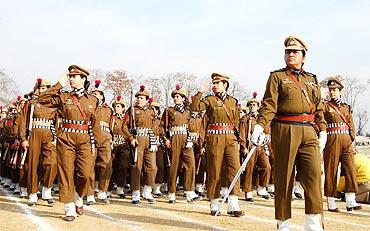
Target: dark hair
[[86, 83], [227, 84]]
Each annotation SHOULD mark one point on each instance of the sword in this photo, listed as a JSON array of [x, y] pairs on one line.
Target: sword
[[237, 175]]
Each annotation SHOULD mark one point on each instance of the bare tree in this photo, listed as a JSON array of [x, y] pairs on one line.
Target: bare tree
[[9, 89], [362, 120], [118, 83], [162, 86], [239, 91], [98, 74]]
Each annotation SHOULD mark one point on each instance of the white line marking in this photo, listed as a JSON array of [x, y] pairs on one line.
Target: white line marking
[[325, 217], [39, 222], [128, 224], [183, 218], [256, 218]]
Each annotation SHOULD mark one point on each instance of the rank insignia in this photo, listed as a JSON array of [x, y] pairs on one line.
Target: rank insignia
[[287, 81], [219, 103], [69, 101]]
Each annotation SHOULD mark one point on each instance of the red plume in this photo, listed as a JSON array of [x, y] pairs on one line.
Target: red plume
[[119, 98], [39, 80], [142, 87], [97, 83], [151, 100], [1, 107], [178, 87], [15, 103], [254, 94], [19, 97]]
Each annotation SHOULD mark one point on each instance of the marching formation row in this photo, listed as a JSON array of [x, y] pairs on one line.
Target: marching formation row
[[74, 138]]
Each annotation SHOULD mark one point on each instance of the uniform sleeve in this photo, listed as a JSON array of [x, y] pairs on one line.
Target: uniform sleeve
[[23, 124], [319, 113], [270, 101], [51, 98], [197, 104], [163, 125], [352, 124], [243, 128], [16, 126]]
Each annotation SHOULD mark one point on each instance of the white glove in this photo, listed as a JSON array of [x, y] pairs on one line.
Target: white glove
[[63, 80], [189, 145], [323, 136], [153, 148], [258, 136]]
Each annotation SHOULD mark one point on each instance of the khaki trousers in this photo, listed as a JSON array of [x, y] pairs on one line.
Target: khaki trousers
[[178, 151], [296, 145], [222, 151], [74, 153]]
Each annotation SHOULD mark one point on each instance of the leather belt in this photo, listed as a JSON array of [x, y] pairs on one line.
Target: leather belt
[[301, 118], [83, 127], [221, 127]]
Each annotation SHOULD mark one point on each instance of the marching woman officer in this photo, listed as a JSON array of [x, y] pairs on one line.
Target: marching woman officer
[[75, 144]]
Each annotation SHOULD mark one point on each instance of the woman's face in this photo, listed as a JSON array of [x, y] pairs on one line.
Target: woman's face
[[178, 99], [118, 109], [76, 81], [141, 101]]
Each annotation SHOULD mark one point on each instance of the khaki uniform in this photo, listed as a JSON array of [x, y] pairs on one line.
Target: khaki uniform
[[160, 155], [178, 124], [222, 148], [339, 149], [259, 160], [145, 158], [74, 144], [294, 143], [197, 129], [41, 144], [102, 169], [120, 152]]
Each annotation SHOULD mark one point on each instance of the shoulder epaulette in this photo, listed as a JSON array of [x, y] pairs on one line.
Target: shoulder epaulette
[[310, 74], [279, 70]]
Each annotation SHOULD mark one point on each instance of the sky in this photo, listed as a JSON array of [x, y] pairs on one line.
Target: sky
[[243, 39]]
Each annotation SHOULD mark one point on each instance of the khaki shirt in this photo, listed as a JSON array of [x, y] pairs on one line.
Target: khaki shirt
[[215, 112], [66, 108], [39, 112], [332, 116], [175, 118], [283, 96]]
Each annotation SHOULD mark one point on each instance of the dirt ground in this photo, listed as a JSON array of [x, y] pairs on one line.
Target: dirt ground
[[120, 214]]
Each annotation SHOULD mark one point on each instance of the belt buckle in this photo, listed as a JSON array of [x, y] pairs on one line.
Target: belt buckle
[[302, 116]]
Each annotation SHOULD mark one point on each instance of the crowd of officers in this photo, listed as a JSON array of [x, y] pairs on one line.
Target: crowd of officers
[[76, 144]]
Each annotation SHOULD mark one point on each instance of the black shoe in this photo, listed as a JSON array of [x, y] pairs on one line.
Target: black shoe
[[249, 199], [122, 196], [298, 195], [357, 207], [50, 202], [88, 203], [135, 202], [104, 201], [172, 201], [31, 204], [68, 218], [236, 213], [200, 193]]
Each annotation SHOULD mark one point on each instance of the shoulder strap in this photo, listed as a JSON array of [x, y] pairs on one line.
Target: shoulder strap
[[232, 121], [303, 89], [75, 102], [339, 113]]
